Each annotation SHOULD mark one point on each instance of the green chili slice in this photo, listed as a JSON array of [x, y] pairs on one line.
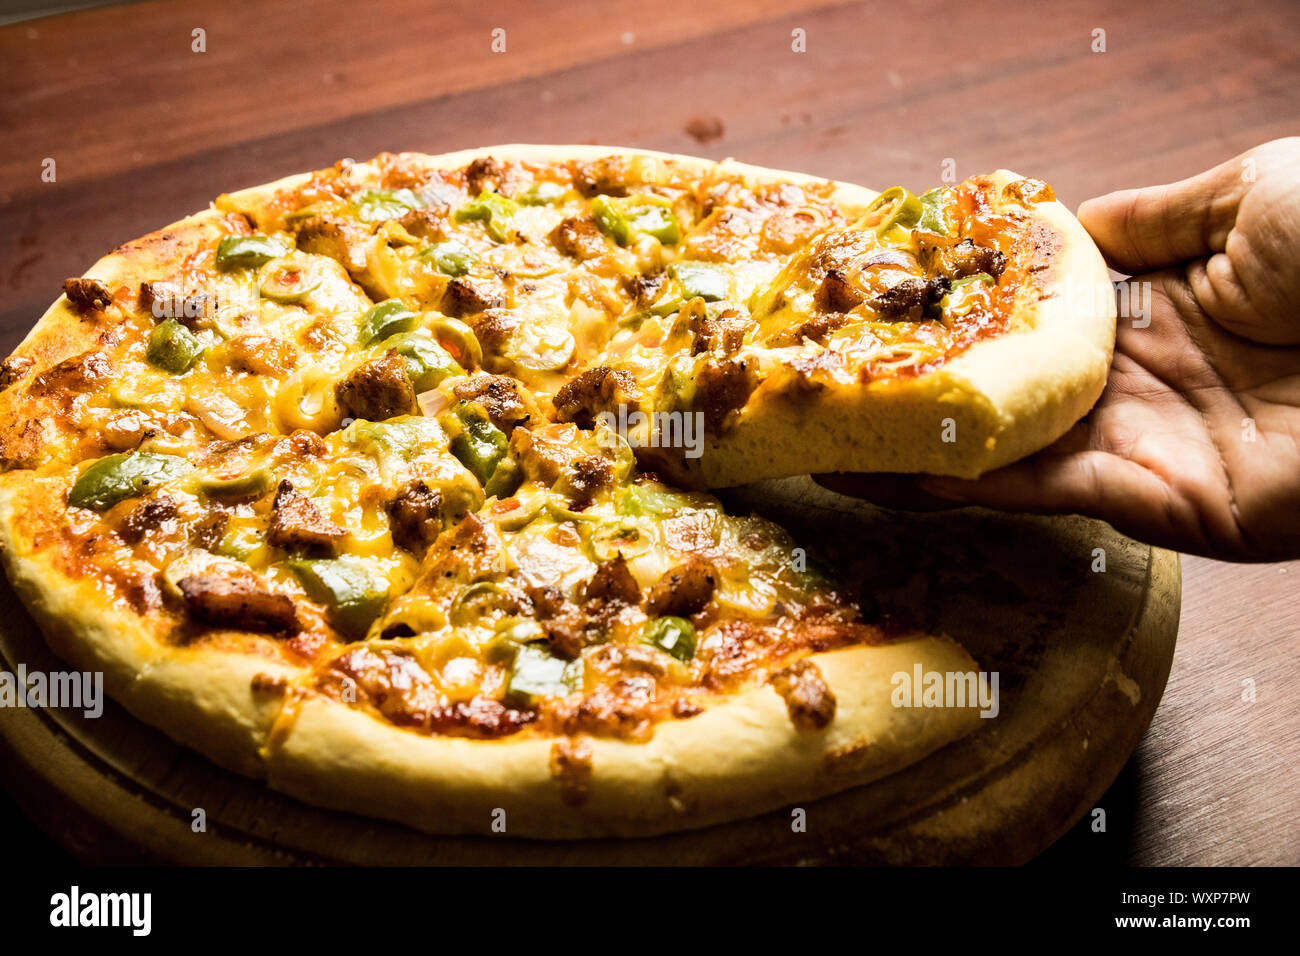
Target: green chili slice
[[241, 252], [118, 477]]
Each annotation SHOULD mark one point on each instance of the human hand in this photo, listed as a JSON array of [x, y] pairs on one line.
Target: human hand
[[1195, 442]]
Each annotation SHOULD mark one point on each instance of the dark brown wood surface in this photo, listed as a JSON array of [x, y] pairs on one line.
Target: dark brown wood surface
[[143, 130]]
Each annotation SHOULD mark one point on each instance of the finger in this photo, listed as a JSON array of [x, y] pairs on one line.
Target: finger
[[1139, 230], [900, 492], [1130, 497], [904, 492]]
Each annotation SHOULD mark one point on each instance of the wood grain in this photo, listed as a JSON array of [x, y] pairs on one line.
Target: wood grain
[[145, 131]]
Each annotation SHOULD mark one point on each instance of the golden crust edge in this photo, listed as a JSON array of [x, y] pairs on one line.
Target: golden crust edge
[[740, 758]]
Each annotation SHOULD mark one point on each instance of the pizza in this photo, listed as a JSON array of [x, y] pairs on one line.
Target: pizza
[[389, 483]]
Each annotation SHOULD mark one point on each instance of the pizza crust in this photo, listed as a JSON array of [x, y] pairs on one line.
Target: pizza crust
[[741, 757]]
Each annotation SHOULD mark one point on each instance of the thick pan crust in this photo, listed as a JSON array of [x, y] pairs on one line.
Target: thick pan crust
[[739, 758], [742, 755]]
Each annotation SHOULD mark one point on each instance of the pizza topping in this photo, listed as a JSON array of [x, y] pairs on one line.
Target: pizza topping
[[73, 375], [580, 238], [480, 557], [385, 319], [354, 592], [14, 369], [427, 362], [173, 348], [495, 211], [536, 673], [243, 252], [377, 205], [87, 295], [961, 259], [121, 476], [377, 390], [596, 390], [607, 176], [703, 280], [228, 600], [684, 590], [416, 516], [672, 635], [808, 701], [613, 581], [475, 440], [468, 295], [298, 525], [155, 515], [506, 404], [335, 237], [724, 333], [261, 355], [722, 386]]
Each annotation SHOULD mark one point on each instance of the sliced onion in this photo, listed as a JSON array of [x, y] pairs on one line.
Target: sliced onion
[[433, 402]]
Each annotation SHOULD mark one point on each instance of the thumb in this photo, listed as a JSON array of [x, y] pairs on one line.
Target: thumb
[[1141, 230]]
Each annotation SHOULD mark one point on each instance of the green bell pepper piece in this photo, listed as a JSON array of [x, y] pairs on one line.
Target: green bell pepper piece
[[376, 205], [478, 443], [239, 543], [506, 478], [118, 477], [657, 221], [639, 500], [704, 279], [672, 635], [240, 252], [354, 592], [611, 220], [495, 211], [173, 348], [537, 673]]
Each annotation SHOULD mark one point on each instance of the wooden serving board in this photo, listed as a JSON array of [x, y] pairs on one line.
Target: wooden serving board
[[1082, 657]]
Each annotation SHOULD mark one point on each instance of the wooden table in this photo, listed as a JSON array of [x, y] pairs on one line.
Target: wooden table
[[143, 129]]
